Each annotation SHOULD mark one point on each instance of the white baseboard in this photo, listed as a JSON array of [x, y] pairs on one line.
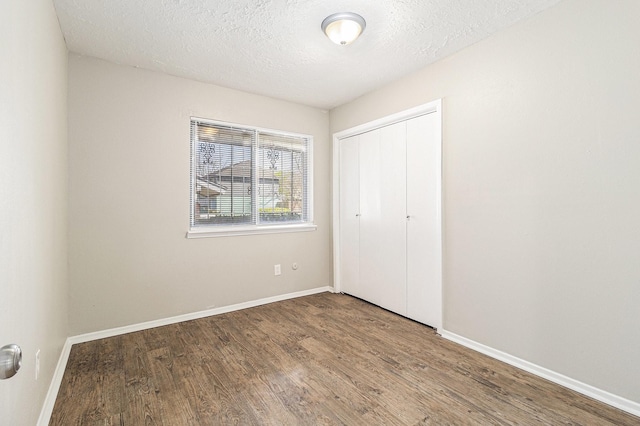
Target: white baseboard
[[56, 381], [583, 388], [194, 315], [52, 393]]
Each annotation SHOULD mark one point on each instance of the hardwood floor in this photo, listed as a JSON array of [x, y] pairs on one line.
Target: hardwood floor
[[323, 359]]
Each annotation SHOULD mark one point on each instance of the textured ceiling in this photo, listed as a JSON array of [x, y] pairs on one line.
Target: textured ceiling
[[276, 47]]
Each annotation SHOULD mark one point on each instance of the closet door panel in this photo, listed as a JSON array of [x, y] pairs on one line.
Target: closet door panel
[[383, 217], [369, 215], [349, 216], [423, 229]]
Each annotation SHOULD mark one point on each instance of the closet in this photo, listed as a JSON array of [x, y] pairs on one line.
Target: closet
[[389, 237]]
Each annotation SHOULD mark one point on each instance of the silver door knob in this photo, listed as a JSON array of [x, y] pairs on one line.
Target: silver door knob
[[10, 360]]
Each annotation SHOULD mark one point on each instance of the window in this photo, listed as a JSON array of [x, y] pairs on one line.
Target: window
[[246, 180]]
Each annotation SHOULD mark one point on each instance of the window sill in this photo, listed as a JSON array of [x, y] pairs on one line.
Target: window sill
[[249, 230]]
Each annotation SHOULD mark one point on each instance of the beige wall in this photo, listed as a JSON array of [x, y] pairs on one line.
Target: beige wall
[[33, 200], [541, 188], [129, 201]]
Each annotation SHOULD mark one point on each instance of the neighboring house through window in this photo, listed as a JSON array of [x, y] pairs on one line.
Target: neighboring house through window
[[248, 180]]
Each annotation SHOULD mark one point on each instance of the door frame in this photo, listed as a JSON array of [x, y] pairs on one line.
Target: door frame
[[434, 107]]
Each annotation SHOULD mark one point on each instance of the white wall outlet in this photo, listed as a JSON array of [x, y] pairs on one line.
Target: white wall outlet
[[294, 266], [277, 270], [37, 363]]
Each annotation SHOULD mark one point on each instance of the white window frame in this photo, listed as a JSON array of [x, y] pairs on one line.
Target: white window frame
[[254, 228]]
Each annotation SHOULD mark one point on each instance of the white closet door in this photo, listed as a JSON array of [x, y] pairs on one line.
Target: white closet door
[[349, 216], [424, 273], [383, 217]]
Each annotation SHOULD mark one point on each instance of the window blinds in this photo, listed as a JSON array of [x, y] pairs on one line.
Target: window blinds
[[244, 176]]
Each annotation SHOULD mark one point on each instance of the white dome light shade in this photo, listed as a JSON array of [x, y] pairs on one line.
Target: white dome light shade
[[344, 27]]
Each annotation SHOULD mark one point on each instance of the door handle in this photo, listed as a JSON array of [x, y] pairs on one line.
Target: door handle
[[10, 360]]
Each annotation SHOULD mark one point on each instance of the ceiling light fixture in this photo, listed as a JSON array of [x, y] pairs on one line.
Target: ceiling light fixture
[[344, 27]]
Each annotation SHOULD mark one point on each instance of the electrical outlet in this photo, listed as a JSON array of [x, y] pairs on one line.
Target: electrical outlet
[[37, 363], [277, 270]]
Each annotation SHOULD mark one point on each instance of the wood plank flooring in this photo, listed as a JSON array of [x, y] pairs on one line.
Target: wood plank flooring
[[326, 359]]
